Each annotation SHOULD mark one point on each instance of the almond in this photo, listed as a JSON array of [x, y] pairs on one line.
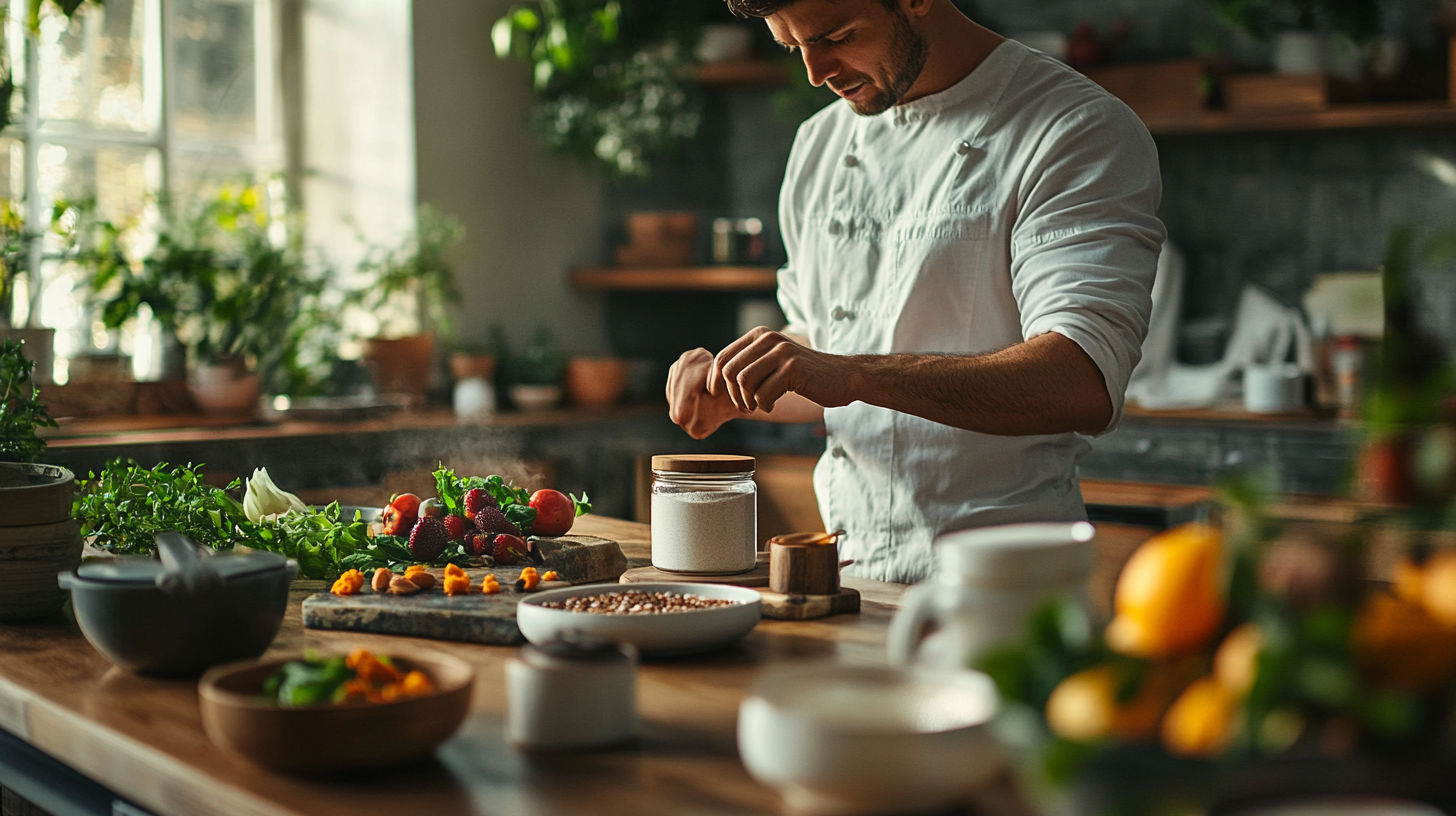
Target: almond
[[423, 580], [400, 585], [381, 579]]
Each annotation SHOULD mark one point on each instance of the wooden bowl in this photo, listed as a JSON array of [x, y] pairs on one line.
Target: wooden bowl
[[329, 738]]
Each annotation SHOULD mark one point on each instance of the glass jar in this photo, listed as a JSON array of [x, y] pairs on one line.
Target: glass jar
[[704, 514]]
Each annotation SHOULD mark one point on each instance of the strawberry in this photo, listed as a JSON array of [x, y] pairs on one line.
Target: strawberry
[[457, 527], [476, 499], [428, 539], [508, 549], [477, 544], [492, 520]]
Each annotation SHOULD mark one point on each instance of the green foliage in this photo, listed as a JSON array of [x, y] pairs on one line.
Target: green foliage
[[127, 505], [613, 81], [415, 275], [1357, 19], [542, 362], [21, 410], [224, 282], [311, 681]]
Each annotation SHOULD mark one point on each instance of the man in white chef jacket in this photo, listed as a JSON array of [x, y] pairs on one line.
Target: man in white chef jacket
[[972, 238]]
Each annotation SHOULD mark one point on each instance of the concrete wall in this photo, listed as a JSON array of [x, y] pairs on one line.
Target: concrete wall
[[529, 216]]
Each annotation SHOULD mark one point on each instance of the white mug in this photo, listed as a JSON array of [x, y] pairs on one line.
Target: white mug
[[987, 582], [1276, 388]]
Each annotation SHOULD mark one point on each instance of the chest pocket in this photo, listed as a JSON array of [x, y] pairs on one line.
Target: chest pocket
[[941, 266]]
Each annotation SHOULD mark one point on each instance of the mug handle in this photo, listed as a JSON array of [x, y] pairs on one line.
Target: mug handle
[[907, 628]]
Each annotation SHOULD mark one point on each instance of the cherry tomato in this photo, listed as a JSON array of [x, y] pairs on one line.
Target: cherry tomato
[[555, 512]]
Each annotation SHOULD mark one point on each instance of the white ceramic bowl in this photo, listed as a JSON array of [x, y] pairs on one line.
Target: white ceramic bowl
[[860, 739], [671, 633]]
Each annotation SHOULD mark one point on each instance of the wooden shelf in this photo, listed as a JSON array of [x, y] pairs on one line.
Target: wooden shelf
[[752, 73], [678, 279], [1370, 115]]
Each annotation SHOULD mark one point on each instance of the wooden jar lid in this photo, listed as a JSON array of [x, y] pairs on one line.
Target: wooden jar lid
[[703, 463]]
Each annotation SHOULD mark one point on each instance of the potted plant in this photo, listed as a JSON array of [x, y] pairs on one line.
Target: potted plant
[[612, 80], [38, 539], [408, 289], [1295, 25], [243, 304], [535, 374]]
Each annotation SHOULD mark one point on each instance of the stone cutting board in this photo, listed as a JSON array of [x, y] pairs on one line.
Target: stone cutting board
[[473, 618]]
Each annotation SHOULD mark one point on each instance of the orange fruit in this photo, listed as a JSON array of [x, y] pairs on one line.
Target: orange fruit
[[1398, 645], [1202, 720], [1169, 598], [1235, 664]]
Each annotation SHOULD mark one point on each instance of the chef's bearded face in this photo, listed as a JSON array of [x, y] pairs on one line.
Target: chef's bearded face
[[867, 51]]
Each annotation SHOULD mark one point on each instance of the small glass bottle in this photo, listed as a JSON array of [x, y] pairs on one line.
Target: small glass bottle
[[704, 514]]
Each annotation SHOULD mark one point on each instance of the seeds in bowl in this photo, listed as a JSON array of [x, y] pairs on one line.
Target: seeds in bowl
[[637, 602]]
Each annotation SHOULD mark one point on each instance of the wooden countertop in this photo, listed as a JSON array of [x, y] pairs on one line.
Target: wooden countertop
[[143, 737]]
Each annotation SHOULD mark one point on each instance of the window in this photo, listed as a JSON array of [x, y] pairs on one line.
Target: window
[[124, 102]]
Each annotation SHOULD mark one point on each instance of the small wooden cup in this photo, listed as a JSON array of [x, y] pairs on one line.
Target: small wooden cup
[[804, 564]]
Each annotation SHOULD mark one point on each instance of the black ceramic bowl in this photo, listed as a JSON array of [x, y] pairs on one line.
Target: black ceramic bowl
[[183, 614]]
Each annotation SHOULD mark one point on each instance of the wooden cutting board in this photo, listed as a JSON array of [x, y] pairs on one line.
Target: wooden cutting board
[[475, 617]]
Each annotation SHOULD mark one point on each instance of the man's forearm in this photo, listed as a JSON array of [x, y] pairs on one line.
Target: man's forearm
[[1045, 385], [791, 408]]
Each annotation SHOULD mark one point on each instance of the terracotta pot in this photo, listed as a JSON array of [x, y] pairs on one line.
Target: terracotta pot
[[472, 366], [593, 382], [225, 389], [401, 365], [38, 539]]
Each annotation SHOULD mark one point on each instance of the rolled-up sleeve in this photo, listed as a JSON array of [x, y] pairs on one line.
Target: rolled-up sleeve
[[1085, 242]]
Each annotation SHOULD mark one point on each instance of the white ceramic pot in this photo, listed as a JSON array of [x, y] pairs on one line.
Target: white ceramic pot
[[473, 398], [535, 397], [1299, 52], [858, 739], [570, 695], [1277, 388]]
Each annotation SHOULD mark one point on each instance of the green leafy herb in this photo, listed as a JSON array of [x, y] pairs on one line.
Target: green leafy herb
[[310, 681], [21, 410], [126, 506]]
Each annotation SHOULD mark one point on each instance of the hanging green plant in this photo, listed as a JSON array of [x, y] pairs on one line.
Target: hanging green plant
[[1357, 19], [614, 85]]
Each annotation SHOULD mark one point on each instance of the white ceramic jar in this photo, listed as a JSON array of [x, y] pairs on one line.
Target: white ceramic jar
[[571, 695], [987, 582], [704, 514]]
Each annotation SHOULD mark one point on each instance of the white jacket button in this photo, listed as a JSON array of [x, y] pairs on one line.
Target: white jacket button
[[835, 227], [964, 147], [850, 161], [837, 452]]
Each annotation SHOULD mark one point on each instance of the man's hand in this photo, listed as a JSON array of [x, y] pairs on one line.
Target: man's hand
[[689, 402], [760, 367]]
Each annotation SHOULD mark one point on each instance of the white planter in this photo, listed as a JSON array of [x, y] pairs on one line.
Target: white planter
[[1299, 52]]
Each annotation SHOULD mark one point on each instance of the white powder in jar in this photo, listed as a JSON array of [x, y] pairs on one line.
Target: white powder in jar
[[705, 531]]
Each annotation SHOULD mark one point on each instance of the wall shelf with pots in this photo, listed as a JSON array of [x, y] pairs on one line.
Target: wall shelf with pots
[[676, 279], [748, 73], [1436, 113]]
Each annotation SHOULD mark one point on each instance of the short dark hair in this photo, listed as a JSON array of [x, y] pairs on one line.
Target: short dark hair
[[758, 8], [768, 8]]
